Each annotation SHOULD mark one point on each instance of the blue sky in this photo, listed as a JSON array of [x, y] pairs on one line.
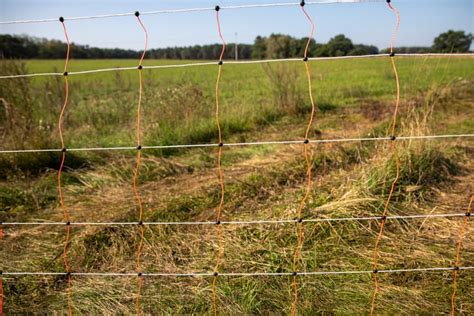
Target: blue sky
[[368, 23]]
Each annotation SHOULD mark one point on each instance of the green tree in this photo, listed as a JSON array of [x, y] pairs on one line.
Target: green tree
[[259, 50], [363, 50], [339, 46], [279, 46], [452, 42]]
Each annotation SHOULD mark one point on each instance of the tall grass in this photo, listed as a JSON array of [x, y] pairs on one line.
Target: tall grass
[[265, 183]]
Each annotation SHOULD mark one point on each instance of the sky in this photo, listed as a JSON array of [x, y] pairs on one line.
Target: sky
[[366, 23]]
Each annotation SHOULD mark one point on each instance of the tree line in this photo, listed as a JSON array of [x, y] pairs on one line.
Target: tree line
[[273, 46]]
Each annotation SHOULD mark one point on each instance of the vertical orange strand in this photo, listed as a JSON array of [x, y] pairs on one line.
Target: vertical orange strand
[[63, 158], [219, 169], [308, 168], [458, 253], [397, 164], [137, 167]]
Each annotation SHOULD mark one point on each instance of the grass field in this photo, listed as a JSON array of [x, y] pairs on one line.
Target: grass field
[[355, 98]]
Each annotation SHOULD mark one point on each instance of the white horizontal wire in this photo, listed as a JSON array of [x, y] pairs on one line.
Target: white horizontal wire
[[432, 136], [283, 142], [248, 6], [42, 74], [231, 274], [435, 54], [255, 222], [232, 62]]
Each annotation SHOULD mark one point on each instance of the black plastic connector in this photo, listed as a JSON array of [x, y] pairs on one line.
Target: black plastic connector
[[392, 54], [63, 149], [305, 59], [388, 1], [295, 273], [68, 274], [61, 19], [68, 223], [220, 63], [217, 8], [65, 74], [137, 14], [218, 222], [216, 274], [393, 137], [300, 220], [140, 274], [468, 214], [221, 144], [302, 3], [139, 147], [140, 223], [306, 141], [140, 67], [456, 268], [383, 218], [375, 271]]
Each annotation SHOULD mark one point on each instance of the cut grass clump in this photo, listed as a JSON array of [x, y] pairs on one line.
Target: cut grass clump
[[35, 164], [182, 208], [29, 199], [94, 251], [421, 167]]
